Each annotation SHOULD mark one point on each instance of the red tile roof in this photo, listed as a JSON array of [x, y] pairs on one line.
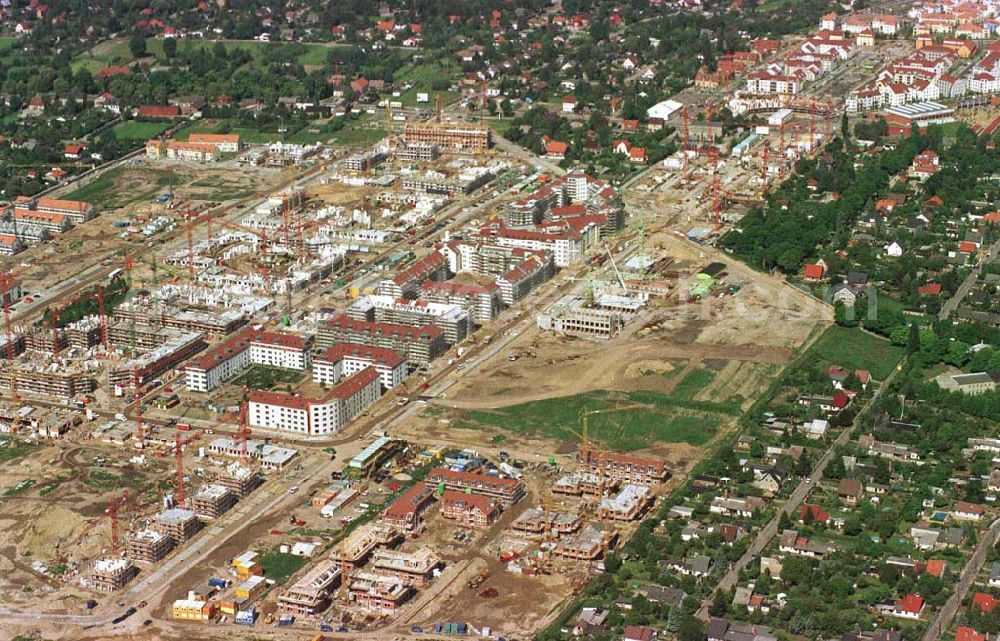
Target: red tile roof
[[386, 357], [985, 602]]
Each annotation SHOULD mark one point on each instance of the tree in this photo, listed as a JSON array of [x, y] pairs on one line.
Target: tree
[[691, 629], [170, 47], [845, 128], [137, 46], [913, 342]]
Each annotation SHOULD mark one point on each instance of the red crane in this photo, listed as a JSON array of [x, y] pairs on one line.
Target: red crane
[[139, 435], [179, 454], [244, 429], [113, 506]]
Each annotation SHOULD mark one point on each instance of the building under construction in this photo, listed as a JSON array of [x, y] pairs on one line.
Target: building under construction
[[311, 593], [179, 524], [148, 546], [454, 137], [212, 501], [111, 575], [379, 593], [60, 379], [359, 544], [240, 480], [416, 568]]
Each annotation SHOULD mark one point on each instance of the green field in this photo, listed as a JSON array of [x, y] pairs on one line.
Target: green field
[[134, 130], [116, 52], [16, 449], [855, 349], [278, 566], [618, 420], [113, 189]]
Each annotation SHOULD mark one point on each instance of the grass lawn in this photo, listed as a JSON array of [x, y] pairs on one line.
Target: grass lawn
[[696, 380], [278, 567], [101, 480], [264, 377], [106, 191], [135, 130], [627, 421], [852, 348], [16, 449]]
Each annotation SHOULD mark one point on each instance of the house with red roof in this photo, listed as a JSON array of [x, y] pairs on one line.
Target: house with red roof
[[555, 149], [930, 289], [965, 633], [985, 602], [813, 513], [910, 606], [814, 272]]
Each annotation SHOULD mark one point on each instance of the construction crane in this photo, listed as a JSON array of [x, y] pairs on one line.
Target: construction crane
[[140, 437], [114, 505], [179, 455], [244, 429]]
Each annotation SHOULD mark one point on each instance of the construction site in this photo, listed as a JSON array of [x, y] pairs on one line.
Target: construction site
[[191, 418]]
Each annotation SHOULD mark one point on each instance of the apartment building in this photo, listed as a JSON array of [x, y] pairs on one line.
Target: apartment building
[[385, 594], [111, 575], [226, 143], [76, 211], [406, 511], [177, 523], [622, 468], [51, 222], [250, 347], [148, 546], [419, 345], [469, 510], [316, 416], [453, 320], [347, 359], [212, 501], [406, 284], [416, 568], [450, 136], [481, 302], [506, 491], [310, 594]]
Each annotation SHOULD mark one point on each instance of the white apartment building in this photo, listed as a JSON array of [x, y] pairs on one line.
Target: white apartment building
[[347, 359], [316, 416], [249, 347], [281, 350]]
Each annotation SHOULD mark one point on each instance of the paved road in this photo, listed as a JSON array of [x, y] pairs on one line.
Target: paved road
[[970, 280], [798, 495], [965, 580]]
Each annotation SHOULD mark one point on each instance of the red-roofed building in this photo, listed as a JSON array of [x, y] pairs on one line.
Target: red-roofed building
[[108, 72], [406, 510], [937, 567], [346, 359], [984, 602], [555, 149], [506, 491], [910, 606], [930, 289], [470, 510], [158, 111], [965, 633], [814, 272], [813, 513], [323, 416], [248, 347]]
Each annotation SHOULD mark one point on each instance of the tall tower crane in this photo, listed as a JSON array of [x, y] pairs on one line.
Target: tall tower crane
[[179, 454]]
